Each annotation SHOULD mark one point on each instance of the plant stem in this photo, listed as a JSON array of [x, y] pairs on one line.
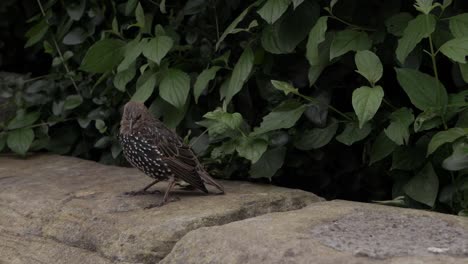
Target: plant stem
[[217, 23], [199, 136], [389, 104], [315, 101], [436, 75], [57, 48], [349, 24]]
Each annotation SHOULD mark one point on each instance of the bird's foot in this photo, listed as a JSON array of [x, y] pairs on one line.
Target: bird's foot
[[172, 199], [141, 192]]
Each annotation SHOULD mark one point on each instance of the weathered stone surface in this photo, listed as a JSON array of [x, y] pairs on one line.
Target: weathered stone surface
[[330, 232], [52, 205]]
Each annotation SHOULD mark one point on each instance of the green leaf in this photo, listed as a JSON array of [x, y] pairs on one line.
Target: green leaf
[[369, 65], [202, 81], [72, 101], [296, 3], [398, 130], [464, 71], [407, 158], [420, 27], [132, 50], [102, 56], [103, 142], [424, 91], [283, 116], [316, 138], [366, 101], [19, 140], [456, 49], [226, 148], [317, 65], [20, 121], [284, 86], [443, 137], [233, 25], [292, 28], [76, 10], [145, 90], [175, 87], [424, 6], [348, 40], [171, 116], [121, 79], [270, 162], [100, 125], [459, 25], [240, 74], [316, 36], [231, 120], [36, 33], [140, 15], [424, 186], [157, 48], [352, 133], [427, 120], [76, 36], [273, 9], [381, 148], [397, 23], [251, 148], [459, 158]]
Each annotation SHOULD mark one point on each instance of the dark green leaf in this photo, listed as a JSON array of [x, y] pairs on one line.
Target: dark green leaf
[[145, 89], [202, 81], [398, 130], [424, 186], [369, 66], [459, 158], [231, 120], [424, 91], [283, 116], [316, 36], [157, 48], [175, 87], [348, 40], [397, 23], [122, 78], [273, 9], [240, 74], [251, 148], [76, 36], [270, 162], [284, 86], [36, 33], [20, 121], [419, 28], [100, 126], [456, 49], [19, 140], [352, 133], [132, 50], [366, 101], [464, 71], [381, 148], [102, 56], [459, 25], [140, 15], [443, 137], [72, 101], [316, 138]]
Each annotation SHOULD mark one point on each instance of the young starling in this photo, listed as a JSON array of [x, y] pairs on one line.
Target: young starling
[[159, 152]]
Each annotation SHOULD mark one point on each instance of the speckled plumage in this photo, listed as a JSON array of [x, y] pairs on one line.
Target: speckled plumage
[[159, 152]]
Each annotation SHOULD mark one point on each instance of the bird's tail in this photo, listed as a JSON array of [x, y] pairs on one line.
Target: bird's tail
[[208, 180]]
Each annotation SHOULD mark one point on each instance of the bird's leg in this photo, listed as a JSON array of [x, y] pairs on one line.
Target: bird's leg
[[144, 190], [165, 200]]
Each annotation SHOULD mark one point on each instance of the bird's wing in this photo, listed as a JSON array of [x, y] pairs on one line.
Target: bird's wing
[[180, 160]]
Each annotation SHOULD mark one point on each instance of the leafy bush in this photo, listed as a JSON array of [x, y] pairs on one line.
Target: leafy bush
[[356, 99]]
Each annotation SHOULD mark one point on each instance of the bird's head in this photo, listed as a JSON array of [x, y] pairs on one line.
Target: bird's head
[[134, 116]]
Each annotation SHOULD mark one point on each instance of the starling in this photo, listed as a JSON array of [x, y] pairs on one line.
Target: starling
[[159, 152]]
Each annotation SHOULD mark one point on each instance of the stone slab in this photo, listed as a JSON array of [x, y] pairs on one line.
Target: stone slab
[[79, 206], [330, 232]]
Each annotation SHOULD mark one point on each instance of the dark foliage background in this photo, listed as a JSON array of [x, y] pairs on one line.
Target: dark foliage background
[[361, 100]]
